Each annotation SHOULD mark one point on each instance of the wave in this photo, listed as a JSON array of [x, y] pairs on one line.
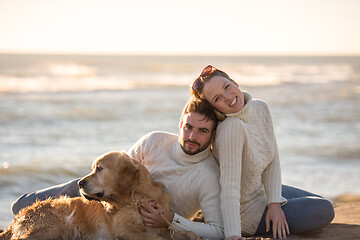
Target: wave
[[260, 75], [53, 173], [93, 74], [11, 84], [46, 84]]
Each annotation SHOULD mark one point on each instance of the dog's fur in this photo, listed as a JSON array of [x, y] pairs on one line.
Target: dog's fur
[[120, 185]]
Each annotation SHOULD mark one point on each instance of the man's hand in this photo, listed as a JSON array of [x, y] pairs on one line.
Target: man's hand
[[153, 215], [235, 238], [279, 224]]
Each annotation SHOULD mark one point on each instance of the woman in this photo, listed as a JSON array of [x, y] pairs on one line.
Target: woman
[[253, 200]]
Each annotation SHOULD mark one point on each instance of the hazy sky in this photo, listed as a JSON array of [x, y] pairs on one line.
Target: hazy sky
[[181, 27]]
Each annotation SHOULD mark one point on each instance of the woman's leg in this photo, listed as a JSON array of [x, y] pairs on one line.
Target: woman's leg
[[70, 189], [292, 192], [304, 211]]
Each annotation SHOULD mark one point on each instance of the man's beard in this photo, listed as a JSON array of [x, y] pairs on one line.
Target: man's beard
[[200, 148]]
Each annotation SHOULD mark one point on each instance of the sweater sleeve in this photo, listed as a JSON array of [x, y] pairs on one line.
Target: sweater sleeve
[[209, 191], [141, 148], [271, 176], [271, 179], [230, 139]]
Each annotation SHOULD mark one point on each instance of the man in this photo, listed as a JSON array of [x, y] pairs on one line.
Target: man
[[186, 167]]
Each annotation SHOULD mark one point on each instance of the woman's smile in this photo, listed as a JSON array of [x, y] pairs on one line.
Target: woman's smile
[[233, 102], [223, 94]]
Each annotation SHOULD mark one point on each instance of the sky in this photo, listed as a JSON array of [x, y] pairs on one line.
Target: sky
[[203, 27]]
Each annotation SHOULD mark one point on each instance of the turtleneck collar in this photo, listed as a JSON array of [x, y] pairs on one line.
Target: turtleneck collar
[[185, 159], [245, 113]]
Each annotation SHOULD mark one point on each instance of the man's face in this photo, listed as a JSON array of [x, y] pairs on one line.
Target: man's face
[[195, 133]]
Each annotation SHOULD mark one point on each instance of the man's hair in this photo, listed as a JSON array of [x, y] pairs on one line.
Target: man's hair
[[202, 107]]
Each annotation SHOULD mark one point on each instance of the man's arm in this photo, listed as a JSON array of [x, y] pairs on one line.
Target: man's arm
[[209, 198], [143, 146], [155, 215]]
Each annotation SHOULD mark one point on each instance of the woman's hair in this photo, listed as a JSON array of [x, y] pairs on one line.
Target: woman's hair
[[198, 93], [202, 107]]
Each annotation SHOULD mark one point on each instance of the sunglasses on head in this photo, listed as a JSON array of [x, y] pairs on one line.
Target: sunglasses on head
[[208, 70]]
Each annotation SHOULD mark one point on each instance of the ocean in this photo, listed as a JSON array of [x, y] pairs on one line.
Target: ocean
[[59, 112]]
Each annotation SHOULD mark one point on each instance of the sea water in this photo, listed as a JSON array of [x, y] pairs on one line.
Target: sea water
[[59, 112]]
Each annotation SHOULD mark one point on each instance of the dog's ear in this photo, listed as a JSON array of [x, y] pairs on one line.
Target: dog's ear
[[131, 164], [128, 171]]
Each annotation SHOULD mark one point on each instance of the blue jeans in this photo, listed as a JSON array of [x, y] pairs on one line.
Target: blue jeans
[[304, 211], [70, 189]]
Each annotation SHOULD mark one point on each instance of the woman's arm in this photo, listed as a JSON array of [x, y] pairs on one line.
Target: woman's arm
[[229, 143], [272, 185], [271, 179], [271, 176]]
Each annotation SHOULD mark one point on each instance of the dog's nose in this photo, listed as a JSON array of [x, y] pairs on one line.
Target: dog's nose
[[81, 183]]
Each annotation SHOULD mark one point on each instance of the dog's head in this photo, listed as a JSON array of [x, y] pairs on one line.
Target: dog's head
[[113, 174]]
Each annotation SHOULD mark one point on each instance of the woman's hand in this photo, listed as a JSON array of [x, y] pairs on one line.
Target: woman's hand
[[153, 215], [235, 238], [279, 224]]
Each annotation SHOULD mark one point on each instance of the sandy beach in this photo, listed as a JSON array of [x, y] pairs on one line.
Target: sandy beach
[[345, 226]]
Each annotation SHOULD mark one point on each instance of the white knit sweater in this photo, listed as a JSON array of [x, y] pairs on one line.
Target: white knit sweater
[[192, 181], [250, 176]]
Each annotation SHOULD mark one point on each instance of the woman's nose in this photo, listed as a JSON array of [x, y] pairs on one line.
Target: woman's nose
[[228, 96]]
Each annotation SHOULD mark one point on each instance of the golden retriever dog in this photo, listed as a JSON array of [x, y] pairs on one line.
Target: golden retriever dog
[[120, 185]]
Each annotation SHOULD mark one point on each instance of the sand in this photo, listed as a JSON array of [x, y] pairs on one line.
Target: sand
[[346, 224]]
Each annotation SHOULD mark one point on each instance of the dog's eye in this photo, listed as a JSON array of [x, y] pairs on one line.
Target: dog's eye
[[99, 168]]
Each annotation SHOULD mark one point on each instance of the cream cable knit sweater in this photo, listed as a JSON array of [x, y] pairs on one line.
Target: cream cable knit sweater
[[192, 181], [250, 176]]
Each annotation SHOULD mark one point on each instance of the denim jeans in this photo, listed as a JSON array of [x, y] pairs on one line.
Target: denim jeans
[[70, 189], [304, 211]]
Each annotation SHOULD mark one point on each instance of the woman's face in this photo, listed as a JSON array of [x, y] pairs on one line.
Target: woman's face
[[223, 94]]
